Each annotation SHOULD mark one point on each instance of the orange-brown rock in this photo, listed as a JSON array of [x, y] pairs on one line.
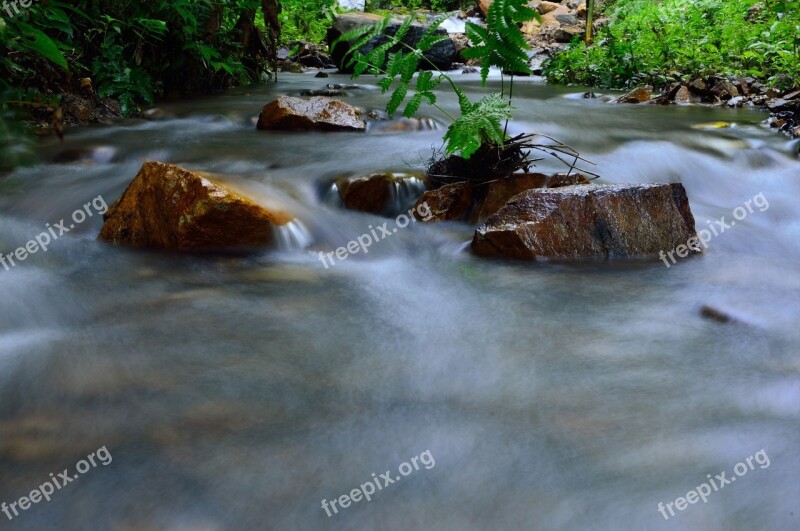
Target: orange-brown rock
[[546, 7], [637, 95], [167, 207], [484, 6], [589, 221], [316, 114], [499, 192], [452, 202], [380, 193]]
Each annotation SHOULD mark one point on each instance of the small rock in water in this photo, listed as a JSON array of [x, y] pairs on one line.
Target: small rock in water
[[713, 314], [340, 86], [330, 93], [321, 74], [317, 114], [637, 95], [380, 193]]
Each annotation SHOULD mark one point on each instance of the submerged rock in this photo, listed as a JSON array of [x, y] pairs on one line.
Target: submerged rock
[[316, 114], [380, 193], [167, 207], [589, 221]]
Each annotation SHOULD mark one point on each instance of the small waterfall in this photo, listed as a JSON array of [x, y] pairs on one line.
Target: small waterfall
[[293, 236], [407, 189]]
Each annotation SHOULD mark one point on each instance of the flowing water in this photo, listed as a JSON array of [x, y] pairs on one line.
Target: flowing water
[[238, 392]]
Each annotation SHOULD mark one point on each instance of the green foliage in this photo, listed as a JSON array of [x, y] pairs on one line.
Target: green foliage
[[480, 123], [658, 42], [133, 51], [305, 20], [501, 45]]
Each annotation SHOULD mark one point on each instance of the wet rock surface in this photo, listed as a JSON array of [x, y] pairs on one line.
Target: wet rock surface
[[380, 193], [316, 114], [168, 207], [588, 221]]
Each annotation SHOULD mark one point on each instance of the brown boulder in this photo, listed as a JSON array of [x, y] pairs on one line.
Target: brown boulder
[[315, 114], [637, 95], [589, 221], [452, 202], [499, 192], [167, 207], [380, 193], [484, 6]]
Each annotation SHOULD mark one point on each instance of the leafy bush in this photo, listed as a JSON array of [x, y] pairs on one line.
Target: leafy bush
[[657, 42], [501, 44]]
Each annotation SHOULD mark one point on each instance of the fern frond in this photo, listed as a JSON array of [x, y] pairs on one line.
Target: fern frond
[[397, 99]]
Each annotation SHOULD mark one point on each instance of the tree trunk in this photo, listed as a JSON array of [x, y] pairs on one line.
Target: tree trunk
[[272, 10], [589, 21]]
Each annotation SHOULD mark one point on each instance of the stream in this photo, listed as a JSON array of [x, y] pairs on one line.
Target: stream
[[236, 392]]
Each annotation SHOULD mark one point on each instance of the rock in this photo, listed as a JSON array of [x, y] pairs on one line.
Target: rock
[[567, 19], [637, 95], [698, 86], [328, 93], [551, 17], [713, 314], [321, 74], [292, 67], [792, 95], [484, 6], [461, 42], [724, 90], [588, 221], [546, 7], [317, 114], [470, 70], [167, 207], [380, 193], [565, 34], [738, 101], [685, 96], [499, 192], [781, 104], [581, 11], [452, 202], [442, 55], [601, 22]]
